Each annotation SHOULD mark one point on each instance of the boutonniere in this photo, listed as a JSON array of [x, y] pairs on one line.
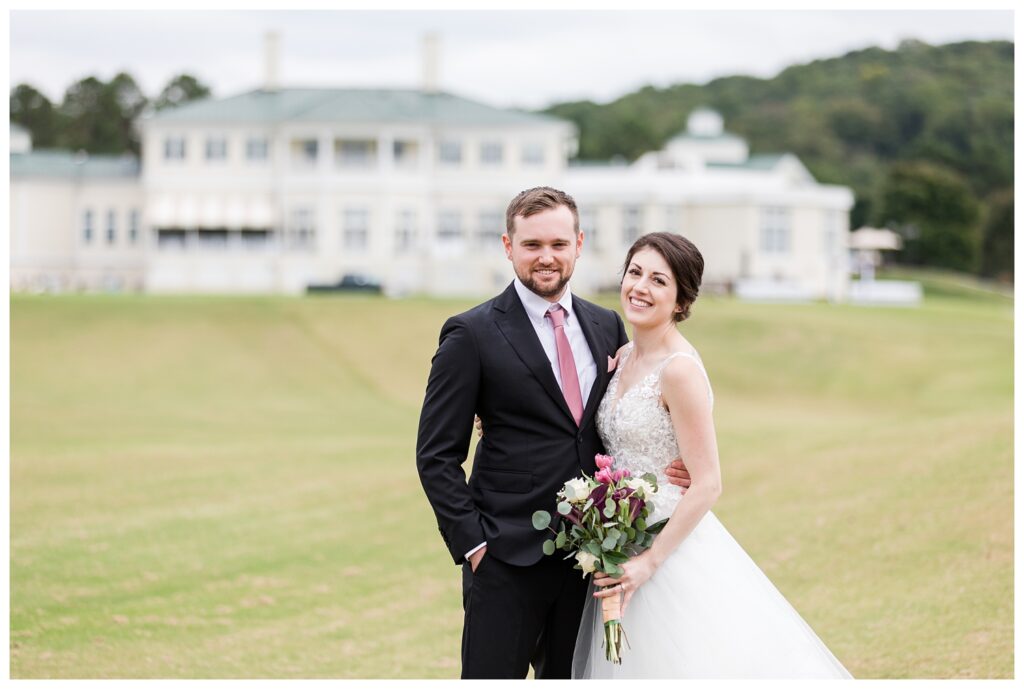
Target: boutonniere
[[612, 363]]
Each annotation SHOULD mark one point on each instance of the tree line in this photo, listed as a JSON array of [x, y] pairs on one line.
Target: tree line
[[922, 134], [96, 116]]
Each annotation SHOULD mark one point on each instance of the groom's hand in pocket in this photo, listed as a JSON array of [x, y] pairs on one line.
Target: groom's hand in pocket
[[475, 558], [678, 475]]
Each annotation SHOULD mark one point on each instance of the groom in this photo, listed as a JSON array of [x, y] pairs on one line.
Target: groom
[[533, 363]]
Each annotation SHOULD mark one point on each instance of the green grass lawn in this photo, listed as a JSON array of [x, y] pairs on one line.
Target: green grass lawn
[[225, 487]]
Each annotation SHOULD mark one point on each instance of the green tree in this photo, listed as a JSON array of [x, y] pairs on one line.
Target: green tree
[[936, 212], [997, 237], [180, 90], [34, 111], [131, 102], [849, 118]]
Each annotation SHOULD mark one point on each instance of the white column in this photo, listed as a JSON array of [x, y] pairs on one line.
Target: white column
[[386, 153]]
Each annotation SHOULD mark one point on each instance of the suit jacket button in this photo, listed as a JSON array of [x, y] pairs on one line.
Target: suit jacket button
[[579, 439]]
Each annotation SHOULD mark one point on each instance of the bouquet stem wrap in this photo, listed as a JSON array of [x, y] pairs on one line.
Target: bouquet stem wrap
[[611, 613], [602, 524]]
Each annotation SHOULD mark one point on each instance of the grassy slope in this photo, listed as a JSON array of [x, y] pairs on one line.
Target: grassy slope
[[216, 487]]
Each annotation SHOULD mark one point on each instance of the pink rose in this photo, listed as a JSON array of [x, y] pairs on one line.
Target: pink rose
[[603, 461]]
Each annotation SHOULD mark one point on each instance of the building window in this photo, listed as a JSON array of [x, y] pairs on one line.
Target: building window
[[216, 239], [257, 148], [133, 225], [304, 153], [491, 227], [450, 239], [588, 225], [170, 238], [216, 148], [450, 152], [301, 228], [355, 153], [174, 148], [491, 153], [87, 226], [111, 226], [533, 154], [406, 153], [631, 223], [255, 240], [405, 232], [355, 230], [775, 230]]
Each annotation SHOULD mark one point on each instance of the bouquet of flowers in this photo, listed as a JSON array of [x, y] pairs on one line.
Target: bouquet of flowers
[[605, 523]]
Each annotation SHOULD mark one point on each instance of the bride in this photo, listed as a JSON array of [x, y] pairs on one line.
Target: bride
[[694, 604]]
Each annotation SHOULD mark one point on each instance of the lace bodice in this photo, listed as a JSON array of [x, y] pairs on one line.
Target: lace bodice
[[637, 430]]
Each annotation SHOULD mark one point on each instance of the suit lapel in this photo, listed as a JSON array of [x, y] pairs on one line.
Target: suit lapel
[[599, 348], [517, 329]]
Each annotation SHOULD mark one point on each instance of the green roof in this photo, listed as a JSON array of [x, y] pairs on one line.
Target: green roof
[[763, 161], [348, 105], [66, 164], [724, 136]]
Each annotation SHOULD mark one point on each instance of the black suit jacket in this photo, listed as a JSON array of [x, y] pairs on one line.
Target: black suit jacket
[[490, 361]]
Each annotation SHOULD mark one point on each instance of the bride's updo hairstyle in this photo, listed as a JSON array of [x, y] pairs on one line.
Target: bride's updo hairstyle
[[682, 257]]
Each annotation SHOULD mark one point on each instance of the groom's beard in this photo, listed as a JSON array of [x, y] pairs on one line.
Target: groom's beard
[[547, 289]]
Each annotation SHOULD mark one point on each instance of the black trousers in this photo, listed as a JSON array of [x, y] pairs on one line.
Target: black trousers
[[518, 616]]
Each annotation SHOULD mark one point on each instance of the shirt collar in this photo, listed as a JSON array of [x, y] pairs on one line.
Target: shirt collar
[[536, 306]]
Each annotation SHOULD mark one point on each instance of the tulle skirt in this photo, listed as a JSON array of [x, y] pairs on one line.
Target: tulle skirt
[[708, 612]]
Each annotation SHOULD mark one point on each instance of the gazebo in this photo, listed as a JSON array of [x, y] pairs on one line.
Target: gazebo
[[866, 247]]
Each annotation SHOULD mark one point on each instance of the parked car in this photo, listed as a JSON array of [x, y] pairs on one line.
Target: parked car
[[350, 282]]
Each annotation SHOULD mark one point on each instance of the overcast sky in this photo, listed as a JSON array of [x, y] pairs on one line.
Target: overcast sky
[[526, 59]]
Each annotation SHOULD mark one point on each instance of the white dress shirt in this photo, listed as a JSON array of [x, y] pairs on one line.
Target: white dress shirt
[[586, 369], [536, 306]]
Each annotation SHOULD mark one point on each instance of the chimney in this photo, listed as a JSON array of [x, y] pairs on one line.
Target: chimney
[[431, 59], [271, 43]]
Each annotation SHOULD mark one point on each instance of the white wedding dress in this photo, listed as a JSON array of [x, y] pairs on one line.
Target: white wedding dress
[[708, 611]]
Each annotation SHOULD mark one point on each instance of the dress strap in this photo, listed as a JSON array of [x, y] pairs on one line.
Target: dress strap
[[690, 355]]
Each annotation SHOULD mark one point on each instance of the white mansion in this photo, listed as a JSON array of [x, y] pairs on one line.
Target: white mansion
[[278, 188]]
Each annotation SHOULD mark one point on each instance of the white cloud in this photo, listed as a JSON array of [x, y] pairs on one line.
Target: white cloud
[[527, 58]]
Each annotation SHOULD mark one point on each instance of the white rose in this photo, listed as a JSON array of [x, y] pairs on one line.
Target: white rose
[[637, 483], [577, 490], [587, 561]]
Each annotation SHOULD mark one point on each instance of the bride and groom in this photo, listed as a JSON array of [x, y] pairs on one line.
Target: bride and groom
[[555, 381]]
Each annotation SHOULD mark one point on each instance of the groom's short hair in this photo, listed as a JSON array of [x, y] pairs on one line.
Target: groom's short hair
[[533, 201]]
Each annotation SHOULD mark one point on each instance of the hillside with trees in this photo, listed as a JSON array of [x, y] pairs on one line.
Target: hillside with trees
[[923, 135]]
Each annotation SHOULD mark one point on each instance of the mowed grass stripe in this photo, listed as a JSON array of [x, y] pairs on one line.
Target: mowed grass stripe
[[225, 487]]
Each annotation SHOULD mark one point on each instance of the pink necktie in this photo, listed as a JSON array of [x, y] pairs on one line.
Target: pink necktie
[[566, 364]]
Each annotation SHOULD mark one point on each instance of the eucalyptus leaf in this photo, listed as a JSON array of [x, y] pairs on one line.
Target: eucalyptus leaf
[[541, 520], [657, 526], [609, 543], [549, 547], [560, 540], [616, 558], [564, 508]]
